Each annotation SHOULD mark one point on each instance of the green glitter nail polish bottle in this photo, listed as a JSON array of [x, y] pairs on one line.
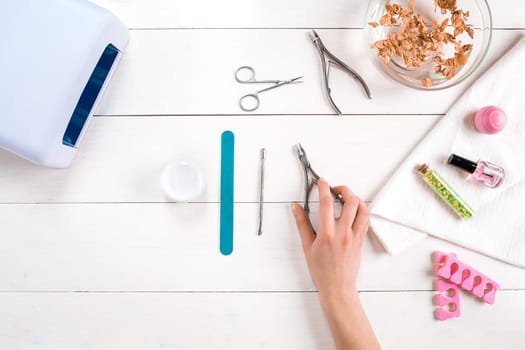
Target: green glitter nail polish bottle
[[445, 192]]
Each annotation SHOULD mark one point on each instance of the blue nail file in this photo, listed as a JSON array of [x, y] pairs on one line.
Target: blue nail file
[[227, 172]]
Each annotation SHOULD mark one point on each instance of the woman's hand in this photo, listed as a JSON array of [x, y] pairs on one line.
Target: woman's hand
[[333, 257]]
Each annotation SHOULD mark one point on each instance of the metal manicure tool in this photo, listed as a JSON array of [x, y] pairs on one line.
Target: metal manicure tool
[[253, 98], [328, 59], [261, 191], [311, 178]]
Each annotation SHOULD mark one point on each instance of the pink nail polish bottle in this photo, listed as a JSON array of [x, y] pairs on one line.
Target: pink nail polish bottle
[[482, 172]]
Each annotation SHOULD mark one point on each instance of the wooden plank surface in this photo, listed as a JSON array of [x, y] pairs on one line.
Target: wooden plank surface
[[169, 247], [121, 158], [155, 321], [270, 13], [94, 258], [187, 72]]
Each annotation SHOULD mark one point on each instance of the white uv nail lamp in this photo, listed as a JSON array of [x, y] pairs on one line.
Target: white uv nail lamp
[[56, 57]]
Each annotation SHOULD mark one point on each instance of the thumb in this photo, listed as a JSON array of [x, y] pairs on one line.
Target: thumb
[[304, 226]]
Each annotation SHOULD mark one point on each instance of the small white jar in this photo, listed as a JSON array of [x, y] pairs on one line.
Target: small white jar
[[182, 181]]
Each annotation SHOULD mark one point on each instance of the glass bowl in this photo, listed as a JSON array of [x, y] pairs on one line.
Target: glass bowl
[[480, 20]]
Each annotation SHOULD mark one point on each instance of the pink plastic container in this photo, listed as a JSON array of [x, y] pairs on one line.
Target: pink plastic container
[[490, 120]]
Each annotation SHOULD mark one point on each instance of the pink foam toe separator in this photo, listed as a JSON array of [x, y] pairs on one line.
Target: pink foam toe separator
[[471, 280], [447, 300], [490, 296], [443, 314], [440, 260]]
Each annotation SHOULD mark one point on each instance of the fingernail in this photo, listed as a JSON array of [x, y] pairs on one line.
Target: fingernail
[[295, 211]]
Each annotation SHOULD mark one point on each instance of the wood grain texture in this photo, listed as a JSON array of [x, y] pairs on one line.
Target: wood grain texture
[[187, 72], [93, 257], [169, 247], [121, 159], [90, 321], [270, 13]]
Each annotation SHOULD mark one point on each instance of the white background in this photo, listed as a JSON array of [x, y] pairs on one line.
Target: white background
[[93, 257]]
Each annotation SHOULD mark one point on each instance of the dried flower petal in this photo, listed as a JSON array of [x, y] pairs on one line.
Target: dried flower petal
[[416, 42], [446, 4], [427, 82]]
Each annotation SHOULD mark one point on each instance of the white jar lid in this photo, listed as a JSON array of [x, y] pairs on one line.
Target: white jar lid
[[182, 181]]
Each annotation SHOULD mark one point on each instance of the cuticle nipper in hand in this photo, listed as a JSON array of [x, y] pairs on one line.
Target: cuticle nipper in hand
[[311, 178]]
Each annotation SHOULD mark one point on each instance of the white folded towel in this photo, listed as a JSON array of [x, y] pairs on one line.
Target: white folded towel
[[406, 209]]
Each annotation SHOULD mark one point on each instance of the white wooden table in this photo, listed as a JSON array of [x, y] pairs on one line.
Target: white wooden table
[[93, 257]]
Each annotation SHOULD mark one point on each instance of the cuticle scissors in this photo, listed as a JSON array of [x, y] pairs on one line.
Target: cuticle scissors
[[311, 179], [255, 96], [329, 59]]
